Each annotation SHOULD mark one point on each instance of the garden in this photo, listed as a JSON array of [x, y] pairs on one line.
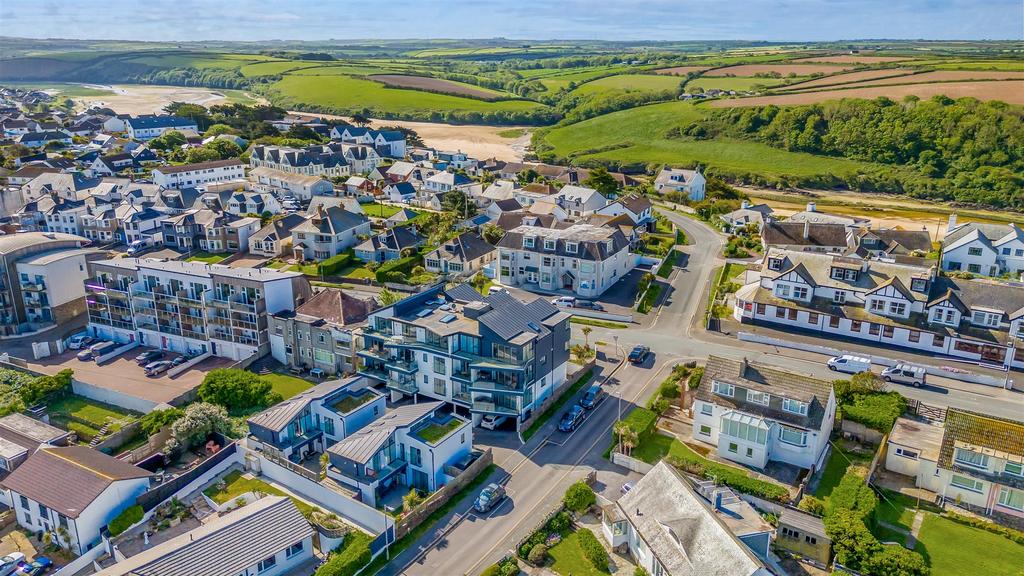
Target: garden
[[562, 545], [87, 418]]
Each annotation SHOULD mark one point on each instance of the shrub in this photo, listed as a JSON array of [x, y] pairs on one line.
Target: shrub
[[509, 568], [349, 558], [125, 520], [641, 571], [538, 537], [399, 265], [559, 522], [592, 549], [878, 411], [579, 497], [642, 421], [660, 405], [43, 386], [335, 264], [156, 420], [669, 388], [1015, 535], [492, 570], [855, 495], [236, 389], [730, 476], [895, 561], [812, 505], [538, 554], [695, 378], [851, 539]]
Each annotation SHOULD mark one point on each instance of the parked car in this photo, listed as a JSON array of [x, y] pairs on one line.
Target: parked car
[[156, 368], [639, 354], [489, 497], [41, 565], [10, 563], [103, 348], [80, 340], [849, 364], [491, 422], [178, 361], [594, 396], [596, 306], [564, 301], [572, 419], [149, 357], [497, 290], [90, 352], [138, 246], [627, 487], [905, 374]]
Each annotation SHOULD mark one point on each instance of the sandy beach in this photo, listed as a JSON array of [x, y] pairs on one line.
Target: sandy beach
[[145, 99]]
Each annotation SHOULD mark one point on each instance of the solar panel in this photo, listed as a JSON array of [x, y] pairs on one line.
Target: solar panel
[[424, 313], [448, 318]]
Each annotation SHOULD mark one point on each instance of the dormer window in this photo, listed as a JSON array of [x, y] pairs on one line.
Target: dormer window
[[837, 273], [794, 406], [983, 318], [775, 264], [965, 457], [723, 388], [549, 244], [570, 247], [528, 241], [919, 284], [758, 397]]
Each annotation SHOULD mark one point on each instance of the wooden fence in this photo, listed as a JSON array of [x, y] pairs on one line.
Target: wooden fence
[[418, 514]]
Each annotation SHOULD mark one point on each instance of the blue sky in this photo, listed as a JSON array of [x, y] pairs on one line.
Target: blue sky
[[773, 20]]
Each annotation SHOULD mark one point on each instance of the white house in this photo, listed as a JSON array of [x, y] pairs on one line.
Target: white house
[[149, 127], [579, 201], [302, 186], [275, 238], [638, 208], [73, 492], [51, 285], [400, 192], [671, 530], [984, 249], [327, 233], [193, 175], [269, 537], [689, 182], [582, 259], [410, 446], [446, 181], [327, 160], [755, 413], [463, 255]]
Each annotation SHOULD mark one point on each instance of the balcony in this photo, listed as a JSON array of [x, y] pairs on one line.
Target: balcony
[[375, 373], [33, 286], [411, 341], [403, 385], [462, 377], [487, 406], [495, 386], [407, 366]]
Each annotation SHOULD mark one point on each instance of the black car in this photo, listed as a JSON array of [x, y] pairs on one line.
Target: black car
[[593, 397], [571, 419], [148, 357], [639, 354], [589, 304]]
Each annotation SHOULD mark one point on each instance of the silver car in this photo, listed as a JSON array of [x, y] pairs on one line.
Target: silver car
[[906, 374]]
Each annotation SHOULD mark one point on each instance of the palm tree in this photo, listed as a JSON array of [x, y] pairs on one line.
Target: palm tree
[[627, 437], [586, 334]]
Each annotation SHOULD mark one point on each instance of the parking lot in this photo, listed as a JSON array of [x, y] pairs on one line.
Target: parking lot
[[123, 375]]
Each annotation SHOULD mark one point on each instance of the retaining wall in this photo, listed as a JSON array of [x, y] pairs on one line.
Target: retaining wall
[[416, 516]]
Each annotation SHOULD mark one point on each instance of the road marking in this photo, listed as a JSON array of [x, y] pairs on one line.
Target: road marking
[[598, 438]]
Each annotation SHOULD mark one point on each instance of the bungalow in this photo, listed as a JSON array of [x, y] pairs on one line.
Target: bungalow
[[302, 186], [747, 214], [389, 245], [400, 218], [812, 215], [149, 127], [411, 446], [499, 207], [40, 139], [275, 238], [327, 233], [465, 254]]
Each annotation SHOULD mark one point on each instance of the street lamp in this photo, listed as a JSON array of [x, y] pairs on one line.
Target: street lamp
[[615, 337]]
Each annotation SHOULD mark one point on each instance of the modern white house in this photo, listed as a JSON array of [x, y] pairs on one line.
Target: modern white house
[[983, 249], [302, 186], [194, 175], [73, 492], [410, 446], [670, 529], [638, 208], [579, 201], [583, 259], [189, 307], [888, 303], [754, 413], [149, 127], [688, 182], [973, 459], [268, 537]]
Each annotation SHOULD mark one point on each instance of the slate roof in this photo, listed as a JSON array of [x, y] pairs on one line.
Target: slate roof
[[337, 307], [361, 445], [332, 221], [198, 166], [590, 240], [891, 239], [463, 248], [508, 205], [992, 435], [510, 220], [792, 233], [397, 238], [280, 228], [224, 546], [403, 215], [278, 416], [68, 479], [765, 378]]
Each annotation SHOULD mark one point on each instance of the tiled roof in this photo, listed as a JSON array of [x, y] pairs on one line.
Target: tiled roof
[[198, 166], [337, 307], [992, 435], [792, 233]]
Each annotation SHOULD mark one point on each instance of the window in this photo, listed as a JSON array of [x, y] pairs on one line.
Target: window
[[293, 549], [706, 409], [839, 297], [897, 308], [570, 247], [1013, 468], [24, 502], [877, 305], [789, 532], [966, 483], [794, 406], [549, 244], [1011, 498], [267, 564], [793, 436], [744, 431], [799, 292], [974, 268], [888, 331], [971, 458], [415, 456], [914, 336], [760, 309], [833, 321], [782, 290], [810, 540], [527, 241], [903, 452], [974, 251], [757, 397], [780, 312], [705, 430], [440, 387], [439, 366], [329, 426], [723, 388], [812, 317], [774, 264], [733, 447]]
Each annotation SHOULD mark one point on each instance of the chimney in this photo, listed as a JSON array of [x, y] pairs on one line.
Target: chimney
[[745, 204], [952, 223], [744, 364], [812, 207], [807, 229]]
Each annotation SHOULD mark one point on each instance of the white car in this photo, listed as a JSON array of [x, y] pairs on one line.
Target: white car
[[9, 563], [849, 364], [491, 422], [564, 301], [79, 340]]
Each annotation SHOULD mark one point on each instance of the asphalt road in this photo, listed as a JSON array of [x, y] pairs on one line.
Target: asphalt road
[[537, 473]]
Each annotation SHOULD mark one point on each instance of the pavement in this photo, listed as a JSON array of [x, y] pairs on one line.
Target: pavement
[[537, 473]]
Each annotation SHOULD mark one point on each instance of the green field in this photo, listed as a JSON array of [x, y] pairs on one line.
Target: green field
[[269, 68], [737, 83], [629, 82], [65, 90], [637, 136]]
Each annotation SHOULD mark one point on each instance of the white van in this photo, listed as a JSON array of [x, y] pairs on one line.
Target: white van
[[906, 374], [849, 364]]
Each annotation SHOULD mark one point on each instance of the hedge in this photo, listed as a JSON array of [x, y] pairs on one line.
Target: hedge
[[592, 549], [349, 558], [579, 497], [1015, 535], [730, 476], [642, 421], [401, 265], [336, 264], [125, 520], [855, 495], [877, 411]]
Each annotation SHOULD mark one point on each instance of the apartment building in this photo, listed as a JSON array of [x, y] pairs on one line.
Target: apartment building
[[973, 459], [326, 161], [485, 355], [198, 174], [16, 292], [321, 332], [983, 249], [208, 230], [148, 127], [189, 307], [755, 413], [889, 303], [328, 232], [582, 259], [51, 286]]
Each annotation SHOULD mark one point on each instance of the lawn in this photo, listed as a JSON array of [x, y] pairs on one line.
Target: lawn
[[557, 405], [953, 549], [377, 210], [599, 323], [637, 137], [434, 432], [91, 411], [568, 559], [206, 257], [287, 385], [236, 485], [667, 264], [835, 469]]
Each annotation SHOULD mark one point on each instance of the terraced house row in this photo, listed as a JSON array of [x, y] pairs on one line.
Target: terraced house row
[[882, 301]]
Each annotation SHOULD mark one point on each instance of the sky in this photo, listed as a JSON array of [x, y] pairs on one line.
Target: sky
[[771, 20]]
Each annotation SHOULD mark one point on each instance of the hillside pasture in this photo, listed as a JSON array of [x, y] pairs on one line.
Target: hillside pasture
[[737, 83], [437, 85], [1010, 91], [270, 68], [850, 78], [854, 59], [679, 70], [629, 82], [783, 69], [35, 68], [943, 76]]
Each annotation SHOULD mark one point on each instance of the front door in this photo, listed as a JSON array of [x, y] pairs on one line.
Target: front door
[[420, 481]]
